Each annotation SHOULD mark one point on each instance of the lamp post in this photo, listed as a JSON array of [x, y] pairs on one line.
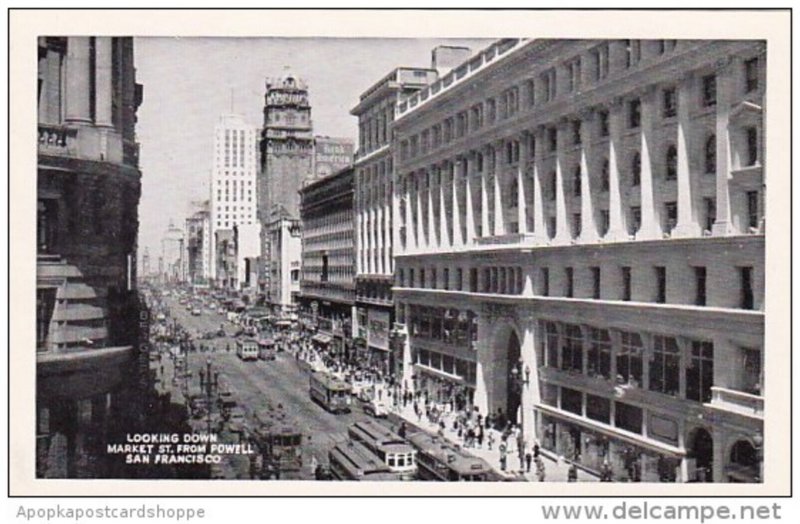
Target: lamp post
[[520, 378], [209, 386]]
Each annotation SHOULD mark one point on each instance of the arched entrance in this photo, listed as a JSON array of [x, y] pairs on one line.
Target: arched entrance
[[744, 463], [513, 383], [702, 451]]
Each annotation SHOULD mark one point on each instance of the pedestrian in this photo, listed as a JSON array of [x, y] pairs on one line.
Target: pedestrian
[[521, 456], [528, 459], [572, 474], [503, 457], [536, 450], [480, 436], [540, 472], [490, 439]]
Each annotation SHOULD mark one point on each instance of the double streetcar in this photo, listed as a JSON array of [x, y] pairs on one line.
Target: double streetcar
[[331, 393], [393, 450], [438, 459], [247, 349], [353, 461], [279, 440]]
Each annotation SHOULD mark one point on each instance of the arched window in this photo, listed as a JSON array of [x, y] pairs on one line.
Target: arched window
[[671, 161], [636, 169], [711, 154]]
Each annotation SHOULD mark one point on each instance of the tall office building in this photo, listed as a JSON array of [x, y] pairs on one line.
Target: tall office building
[[579, 248], [233, 179], [88, 188]]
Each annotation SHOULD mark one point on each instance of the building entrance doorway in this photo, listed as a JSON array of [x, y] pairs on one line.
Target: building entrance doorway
[[702, 451]]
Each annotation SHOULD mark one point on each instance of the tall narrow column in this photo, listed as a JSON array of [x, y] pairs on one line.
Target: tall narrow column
[[588, 225], [103, 88], [688, 224], [431, 240], [651, 216], [562, 225], [455, 169], [469, 214], [77, 110], [539, 221], [616, 213], [722, 223], [421, 224]]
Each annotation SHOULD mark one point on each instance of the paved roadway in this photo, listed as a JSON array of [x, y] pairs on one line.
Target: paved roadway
[[280, 380]]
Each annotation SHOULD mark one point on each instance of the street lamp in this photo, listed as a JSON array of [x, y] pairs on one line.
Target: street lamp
[[209, 386]]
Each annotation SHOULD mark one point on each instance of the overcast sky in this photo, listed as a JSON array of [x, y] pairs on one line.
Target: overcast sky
[[189, 82]]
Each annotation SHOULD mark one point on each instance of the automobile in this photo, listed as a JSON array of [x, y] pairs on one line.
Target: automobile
[[236, 420], [376, 408], [366, 394], [196, 312]]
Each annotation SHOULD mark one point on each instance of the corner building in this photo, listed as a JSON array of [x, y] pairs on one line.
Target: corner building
[[579, 246]]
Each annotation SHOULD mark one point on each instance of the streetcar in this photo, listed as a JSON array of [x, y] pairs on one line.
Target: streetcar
[[390, 447], [331, 393], [278, 439], [438, 459], [353, 461], [266, 349], [247, 349]]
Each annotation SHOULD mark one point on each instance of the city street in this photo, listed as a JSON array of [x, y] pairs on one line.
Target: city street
[[281, 380]]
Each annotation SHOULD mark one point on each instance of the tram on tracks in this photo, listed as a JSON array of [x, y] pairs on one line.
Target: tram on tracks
[[351, 460], [441, 460], [391, 448], [331, 393], [278, 439]]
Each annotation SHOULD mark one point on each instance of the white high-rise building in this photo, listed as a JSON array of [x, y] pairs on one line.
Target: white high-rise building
[[233, 177]]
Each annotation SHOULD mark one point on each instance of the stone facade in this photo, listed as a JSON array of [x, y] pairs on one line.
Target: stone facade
[[580, 244]]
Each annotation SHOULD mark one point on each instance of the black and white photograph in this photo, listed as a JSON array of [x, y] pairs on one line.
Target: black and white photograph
[[274, 258]]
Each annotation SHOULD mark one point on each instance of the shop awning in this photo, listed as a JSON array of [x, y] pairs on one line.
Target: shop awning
[[438, 373], [321, 338]]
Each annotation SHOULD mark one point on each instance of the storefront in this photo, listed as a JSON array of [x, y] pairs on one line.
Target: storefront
[[377, 340], [444, 378]]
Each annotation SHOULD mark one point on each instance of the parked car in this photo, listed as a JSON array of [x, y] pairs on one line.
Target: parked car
[[376, 408]]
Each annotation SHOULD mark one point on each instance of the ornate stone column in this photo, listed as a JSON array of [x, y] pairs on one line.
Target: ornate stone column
[[617, 230], [103, 87], [651, 215], [722, 223], [588, 226], [77, 79], [688, 224], [562, 224]]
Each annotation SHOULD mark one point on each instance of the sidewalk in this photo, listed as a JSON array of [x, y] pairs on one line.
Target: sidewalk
[[554, 471]]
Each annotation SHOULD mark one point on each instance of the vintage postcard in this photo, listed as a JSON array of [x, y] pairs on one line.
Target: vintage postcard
[[511, 249]]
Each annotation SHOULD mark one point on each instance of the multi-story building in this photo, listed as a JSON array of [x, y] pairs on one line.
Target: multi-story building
[[172, 253], [579, 246], [284, 264], [198, 245], [327, 286], [88, 188], [233, 177], [373, 208]]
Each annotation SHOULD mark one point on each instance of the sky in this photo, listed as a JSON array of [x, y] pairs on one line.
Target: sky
[[189, 82]]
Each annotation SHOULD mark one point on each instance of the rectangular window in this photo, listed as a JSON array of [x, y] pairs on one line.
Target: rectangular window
[[629, 359], [746, 285], [572, 401], [628, 417], [574, 75], [751, 377], [576, 225], [632, 52], [700, 286], [551, 341], [552, 138], [599, 356], [544, 286], [459, 280], [595, 282], [445, 279], [670, 216], [710, 205], [572, 350], [605, 221], [530, 88], [751, 75], [600, 62], [422, 278], [473, 280], [670, 103], [700, 372], [626, 283], [603, 122], [709, 90], [752, 145], [576, 132], [434, 282], [634, 113], [569, 284], [753, 218], [636, 219], [598, 408], [661, 284], [665, 366]]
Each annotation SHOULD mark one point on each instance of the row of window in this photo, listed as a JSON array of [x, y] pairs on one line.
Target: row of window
[[510, 280], [464, 369], [450, 326], [507, 105], [592, 351]]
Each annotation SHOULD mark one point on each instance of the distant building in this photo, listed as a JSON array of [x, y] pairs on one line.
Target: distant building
[[284, 263], [579, 248], [327, 286], [373, 207], [172, 253], [198, 247], [233, 177], [88, 188], [225, 259], [248, 249]]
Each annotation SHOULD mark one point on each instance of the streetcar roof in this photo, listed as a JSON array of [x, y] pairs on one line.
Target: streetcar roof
[[448, 454], [329, 381], [357, 459], [376, 434]]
